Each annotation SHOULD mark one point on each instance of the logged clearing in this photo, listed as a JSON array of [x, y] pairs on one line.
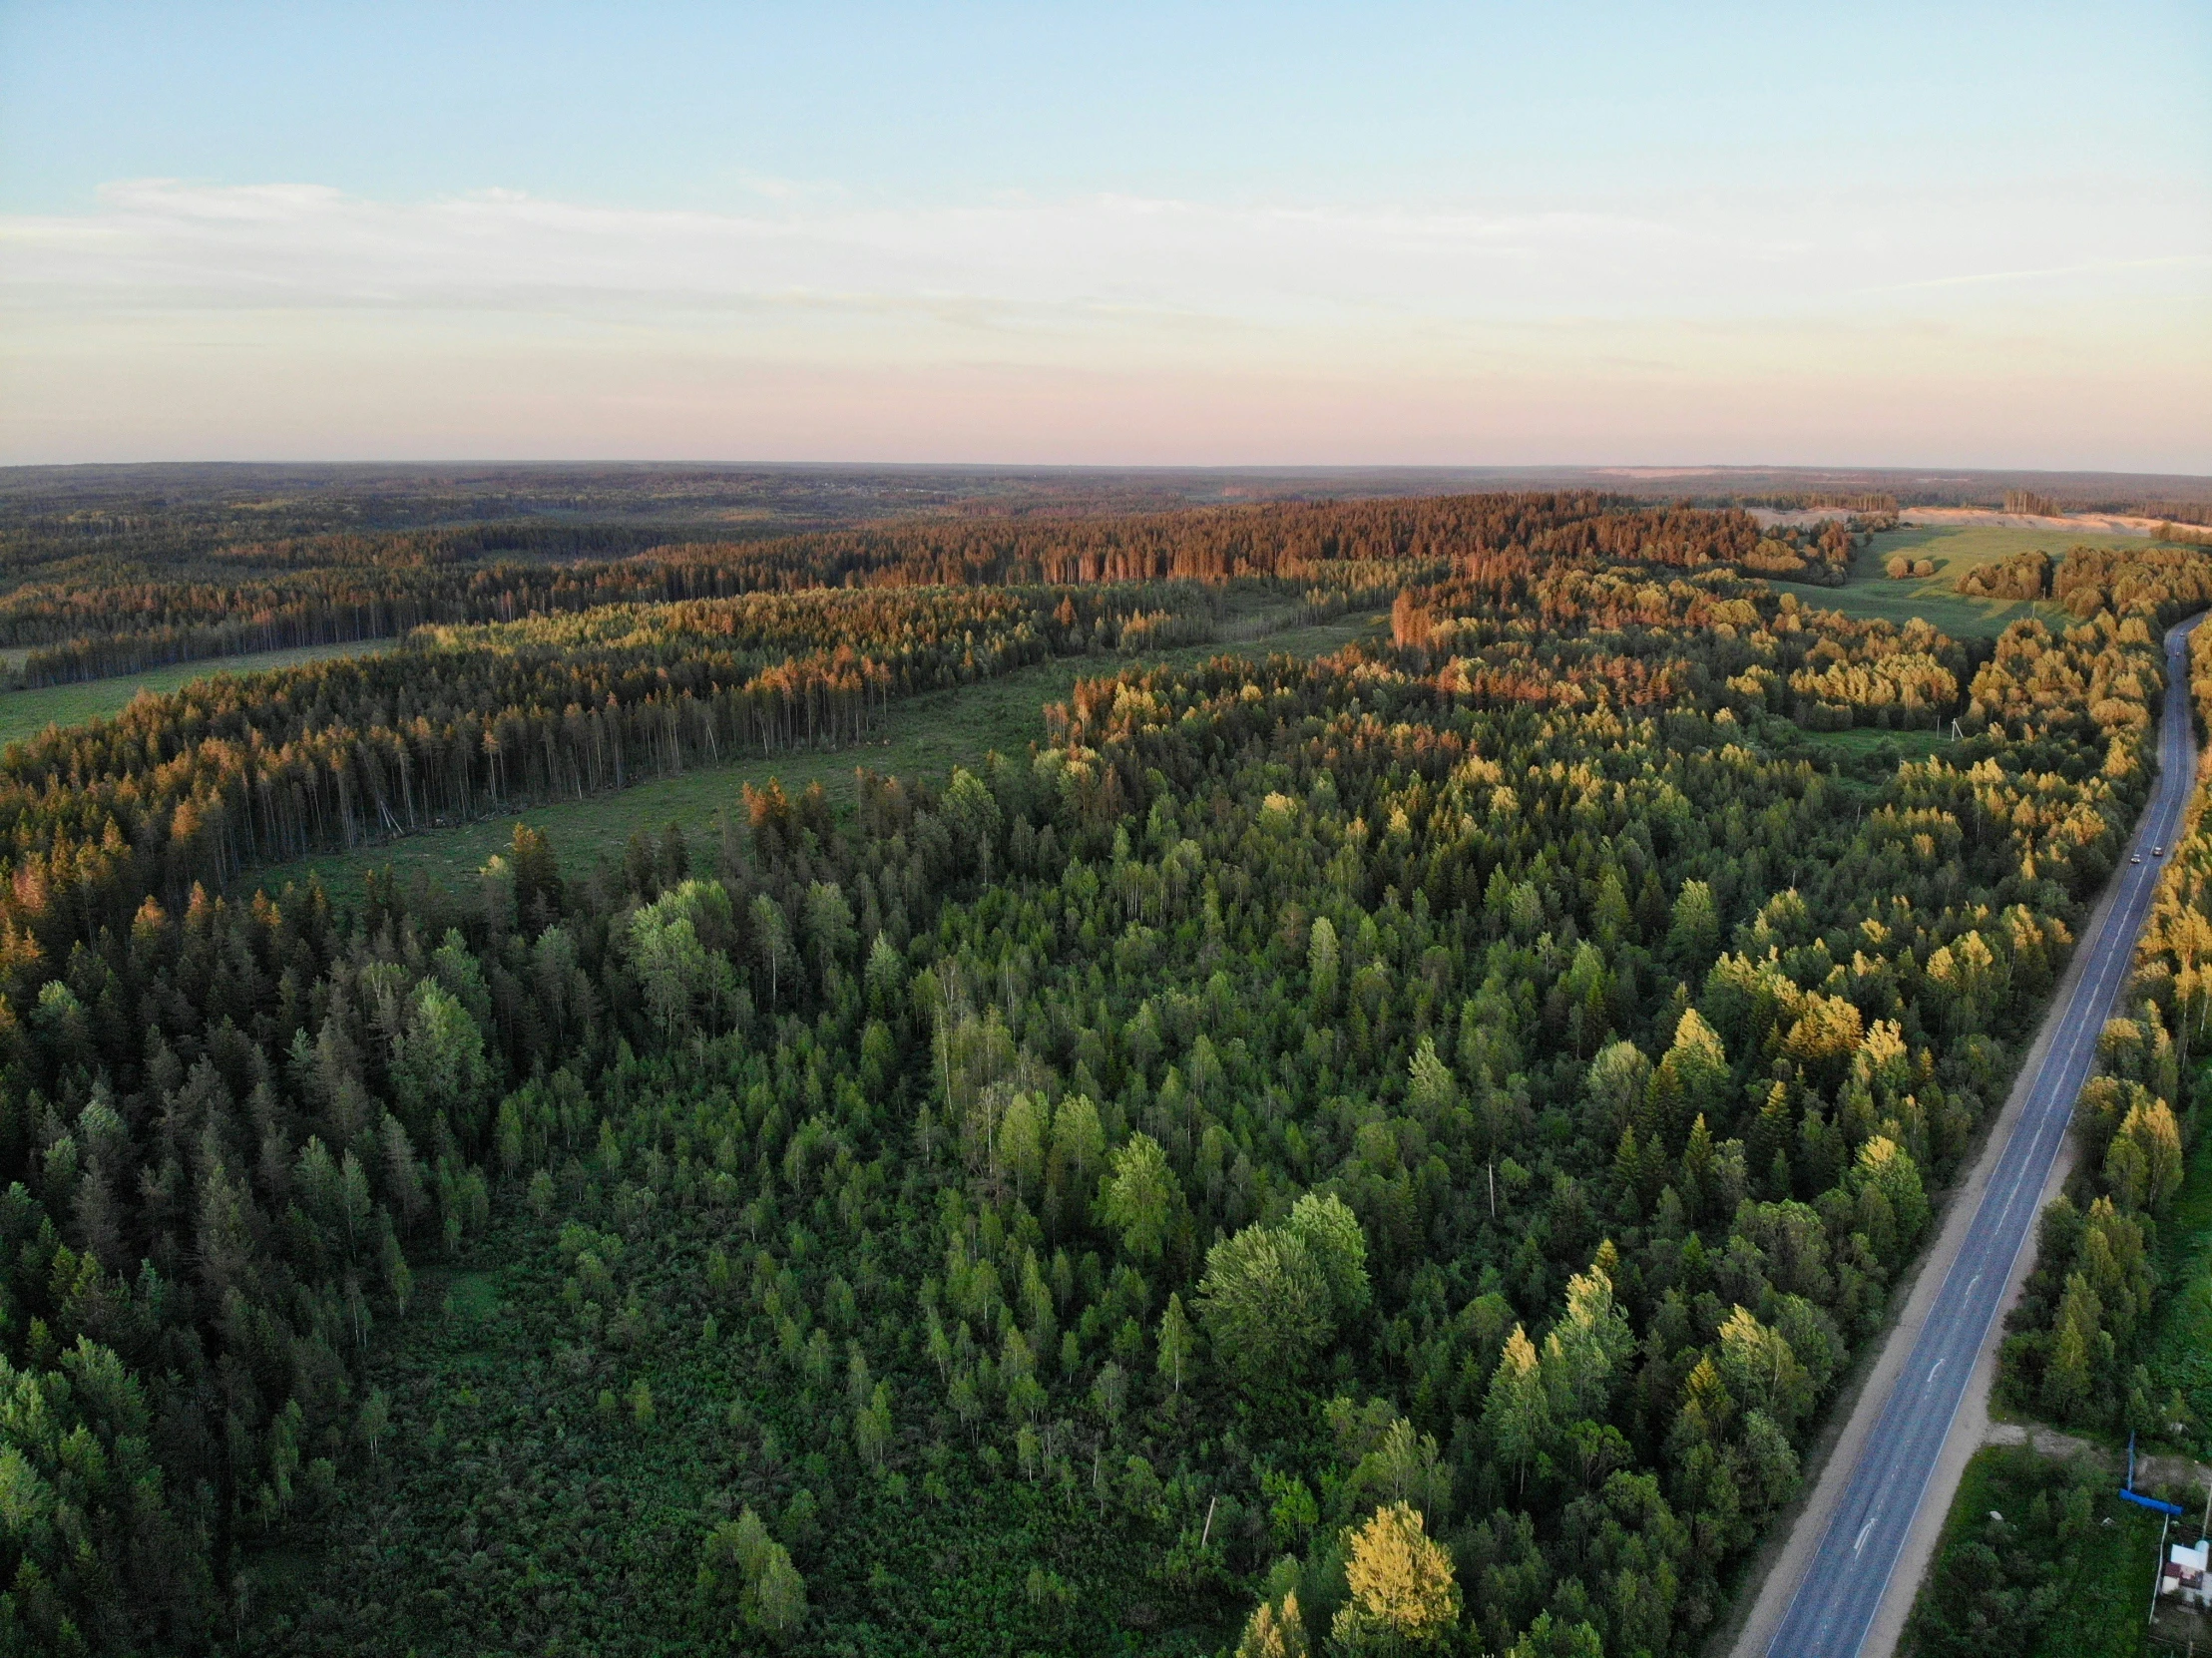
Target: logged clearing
[[25, 713], [930, 734]]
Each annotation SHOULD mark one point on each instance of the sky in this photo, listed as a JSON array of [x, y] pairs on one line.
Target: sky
[[1127, 234]]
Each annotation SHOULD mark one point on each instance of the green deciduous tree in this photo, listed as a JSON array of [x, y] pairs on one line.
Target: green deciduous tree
[[1176, 1343], [1138, 1196], [438, 1063], [670, 961], [1585, 1349], [744, 1571], [1516, 1411], [1325, 1224], [2142, 1166], [1887, 1170], [1430, 1088], [1268, 1304]]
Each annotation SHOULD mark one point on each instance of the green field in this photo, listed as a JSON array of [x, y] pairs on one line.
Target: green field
[[930, 734], [2102, 1574], [1954, 549], [25, 713], [1862, 740], [2181, 1340]]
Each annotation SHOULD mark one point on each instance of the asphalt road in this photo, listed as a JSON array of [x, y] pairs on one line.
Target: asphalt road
[[1843, 1586]]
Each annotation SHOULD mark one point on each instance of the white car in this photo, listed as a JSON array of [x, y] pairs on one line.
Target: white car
[[2138, 858]]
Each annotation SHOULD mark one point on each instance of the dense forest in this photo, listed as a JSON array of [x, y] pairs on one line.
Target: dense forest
[[1382, 1153], [125, 611]]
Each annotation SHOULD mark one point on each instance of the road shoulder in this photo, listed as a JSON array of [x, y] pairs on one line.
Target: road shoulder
[[1785, 1568]]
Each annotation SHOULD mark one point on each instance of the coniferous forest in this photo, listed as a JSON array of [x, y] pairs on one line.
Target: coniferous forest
[[1384, 1153]]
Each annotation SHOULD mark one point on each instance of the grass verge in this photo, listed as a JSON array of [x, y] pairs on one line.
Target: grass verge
[[2181, 1340]]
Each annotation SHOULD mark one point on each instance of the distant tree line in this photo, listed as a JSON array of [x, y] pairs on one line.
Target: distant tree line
[[343, 588]]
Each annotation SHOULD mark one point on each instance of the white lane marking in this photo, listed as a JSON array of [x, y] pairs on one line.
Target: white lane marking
[[2093, 994], [1939, 1363]]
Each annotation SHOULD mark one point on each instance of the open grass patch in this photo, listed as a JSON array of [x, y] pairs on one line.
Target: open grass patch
[[1863, 758], [1866, 740], [1952, 549], [25, 713], [472, 1295], [2038, 1558]]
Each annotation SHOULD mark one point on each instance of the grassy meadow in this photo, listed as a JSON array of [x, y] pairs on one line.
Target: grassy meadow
[[1954, 549], [930, 734], [25, 713]]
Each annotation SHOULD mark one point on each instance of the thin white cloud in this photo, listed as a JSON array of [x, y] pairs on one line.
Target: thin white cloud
[[164, 241], [189, 318], [2186, 262]]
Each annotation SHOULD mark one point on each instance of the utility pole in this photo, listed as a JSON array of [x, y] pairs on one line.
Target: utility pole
[[2158, 1570]]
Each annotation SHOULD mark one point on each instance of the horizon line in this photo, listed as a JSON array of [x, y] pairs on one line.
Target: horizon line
[[1630, 471]]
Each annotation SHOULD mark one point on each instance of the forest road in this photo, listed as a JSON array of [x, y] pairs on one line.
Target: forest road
[[1836, 1589]]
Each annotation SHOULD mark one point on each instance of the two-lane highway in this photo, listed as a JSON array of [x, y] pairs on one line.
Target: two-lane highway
[[1844, 1584]]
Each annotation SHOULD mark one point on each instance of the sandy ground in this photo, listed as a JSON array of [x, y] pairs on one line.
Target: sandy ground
[[2046, 1441], [2095, 524], [2043, 1440], [2090, 524]]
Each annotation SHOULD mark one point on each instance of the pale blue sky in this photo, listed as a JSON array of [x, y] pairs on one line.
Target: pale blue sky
[[1944, 234]]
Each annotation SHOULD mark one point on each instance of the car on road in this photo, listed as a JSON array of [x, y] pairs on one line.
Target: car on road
[[2138, 858]]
